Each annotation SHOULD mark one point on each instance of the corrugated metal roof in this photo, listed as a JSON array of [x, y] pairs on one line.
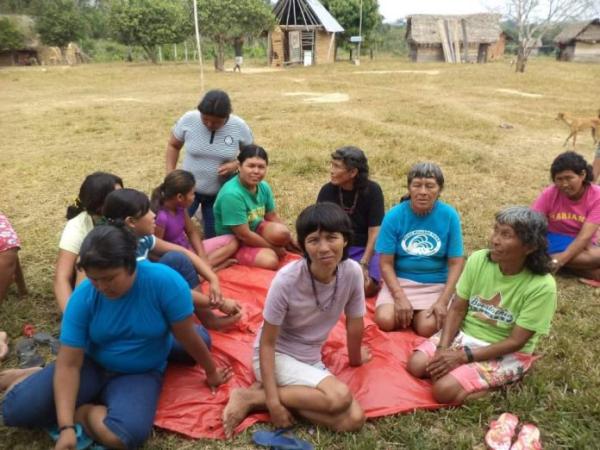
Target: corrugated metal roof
[[325, 17]]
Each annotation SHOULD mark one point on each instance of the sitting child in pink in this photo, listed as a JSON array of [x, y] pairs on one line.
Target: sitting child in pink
[[170, 202]]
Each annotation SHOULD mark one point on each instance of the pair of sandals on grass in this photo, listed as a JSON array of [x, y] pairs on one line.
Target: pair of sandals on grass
[[502, 433]]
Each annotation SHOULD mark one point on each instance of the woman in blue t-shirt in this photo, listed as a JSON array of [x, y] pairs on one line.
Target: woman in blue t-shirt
[[421, 249], [116, 338]]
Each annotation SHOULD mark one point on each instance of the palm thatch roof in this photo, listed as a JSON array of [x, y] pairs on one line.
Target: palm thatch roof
[[26, 25], [481, 28], [588, 30], [308, 14]]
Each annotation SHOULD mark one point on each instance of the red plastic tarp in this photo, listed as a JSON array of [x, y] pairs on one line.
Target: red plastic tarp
[[382, 386]]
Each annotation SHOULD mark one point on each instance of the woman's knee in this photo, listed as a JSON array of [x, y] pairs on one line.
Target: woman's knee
[[417, 364], [267, 259], [338, 395], [352, 420], [448, 390], [385, 317], [277, 234], [425, 326]]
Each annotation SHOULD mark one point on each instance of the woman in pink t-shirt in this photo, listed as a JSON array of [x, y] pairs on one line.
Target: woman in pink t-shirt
[[572, 207]]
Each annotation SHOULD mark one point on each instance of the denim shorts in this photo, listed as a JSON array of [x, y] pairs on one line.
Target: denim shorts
[[183, 266]]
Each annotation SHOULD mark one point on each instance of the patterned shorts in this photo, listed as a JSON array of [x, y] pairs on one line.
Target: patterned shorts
[[8, 237], [482, 375]]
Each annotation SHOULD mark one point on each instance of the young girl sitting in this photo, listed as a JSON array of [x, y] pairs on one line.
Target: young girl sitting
[[132, 209], [170, 201], [305, 301]]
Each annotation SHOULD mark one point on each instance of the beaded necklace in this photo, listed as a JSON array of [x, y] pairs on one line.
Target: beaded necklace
[[350, 210], [325, 306]]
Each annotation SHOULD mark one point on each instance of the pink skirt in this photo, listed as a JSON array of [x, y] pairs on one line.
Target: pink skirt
[[8, 237], [420, 295]]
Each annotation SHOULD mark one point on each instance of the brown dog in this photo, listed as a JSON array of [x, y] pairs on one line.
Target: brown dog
[[577, 124]]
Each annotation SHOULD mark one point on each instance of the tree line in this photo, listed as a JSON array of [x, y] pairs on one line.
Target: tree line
[[148, 24]]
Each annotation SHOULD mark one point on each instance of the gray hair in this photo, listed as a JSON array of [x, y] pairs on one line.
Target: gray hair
[[426, 170], [531, 228]]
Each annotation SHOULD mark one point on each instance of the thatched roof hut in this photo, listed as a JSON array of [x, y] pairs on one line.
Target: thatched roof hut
[[467, 37], [305, 33], [580, 41], [21, 56]]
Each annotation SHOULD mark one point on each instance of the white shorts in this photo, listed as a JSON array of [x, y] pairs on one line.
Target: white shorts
[[291, 372], [239, 60]]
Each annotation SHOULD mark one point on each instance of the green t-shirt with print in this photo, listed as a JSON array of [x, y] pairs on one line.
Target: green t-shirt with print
[[236, 205], [498, 302]]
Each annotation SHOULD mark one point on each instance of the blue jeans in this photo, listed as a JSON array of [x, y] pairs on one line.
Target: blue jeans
[[206, 202], [130, 399], [181, 264]]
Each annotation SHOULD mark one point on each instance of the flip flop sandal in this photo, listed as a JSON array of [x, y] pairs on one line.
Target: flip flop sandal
[[83, 440], [282, 439], [590, 282], [501, 432], [529, 438]]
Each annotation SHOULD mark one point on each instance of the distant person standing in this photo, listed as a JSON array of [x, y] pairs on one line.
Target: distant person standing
[[238, 48], [212, 137]]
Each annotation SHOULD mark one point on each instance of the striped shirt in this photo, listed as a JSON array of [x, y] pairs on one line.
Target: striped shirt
[[206, 150]]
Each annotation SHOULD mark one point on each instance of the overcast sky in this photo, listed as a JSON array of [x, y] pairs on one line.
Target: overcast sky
[[393, 10]]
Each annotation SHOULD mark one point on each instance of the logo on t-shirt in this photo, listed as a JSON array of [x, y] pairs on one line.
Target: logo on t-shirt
[[421, 243], [229, 140], [489, 310]]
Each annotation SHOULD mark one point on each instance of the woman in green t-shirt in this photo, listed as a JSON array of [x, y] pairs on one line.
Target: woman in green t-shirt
[[245, 207], [505, 299]]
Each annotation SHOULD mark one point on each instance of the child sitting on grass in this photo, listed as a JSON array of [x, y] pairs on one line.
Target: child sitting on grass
[[131, 208], [170, 201], [305, 301]]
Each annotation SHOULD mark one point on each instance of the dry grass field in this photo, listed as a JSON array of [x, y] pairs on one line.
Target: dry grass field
[[60, 123]]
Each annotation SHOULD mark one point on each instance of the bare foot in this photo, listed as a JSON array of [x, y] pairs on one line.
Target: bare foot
[[10, 377], [225, 264], [241, 402], [3, 345]]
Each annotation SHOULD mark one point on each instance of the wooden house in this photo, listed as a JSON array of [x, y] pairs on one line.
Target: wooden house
[[579, 41], [305, 34], [453, 38]]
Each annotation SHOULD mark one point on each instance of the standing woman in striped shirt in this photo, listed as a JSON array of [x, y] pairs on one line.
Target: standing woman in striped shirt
[[212, 137]]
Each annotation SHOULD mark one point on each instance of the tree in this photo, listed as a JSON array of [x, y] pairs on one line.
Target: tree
[[10, 37], [347, 13], [60, 22], [536, 18], [225, 20], [149, 23]]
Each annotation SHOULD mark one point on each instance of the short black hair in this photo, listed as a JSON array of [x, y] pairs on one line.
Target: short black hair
[[571, 161], [324, 216], [252, 151], [124, 203], [215, 103], [108, 247]]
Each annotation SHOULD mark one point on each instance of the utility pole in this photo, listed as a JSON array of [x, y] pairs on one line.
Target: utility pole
[[198, 46], [359, 32]]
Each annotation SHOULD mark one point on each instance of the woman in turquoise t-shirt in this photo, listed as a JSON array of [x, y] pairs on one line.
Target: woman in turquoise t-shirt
[[421, 247], [505, 299], [245, 207]]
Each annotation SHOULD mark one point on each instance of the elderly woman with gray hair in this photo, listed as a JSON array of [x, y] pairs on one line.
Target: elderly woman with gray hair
[[421, 247], [505, 299]]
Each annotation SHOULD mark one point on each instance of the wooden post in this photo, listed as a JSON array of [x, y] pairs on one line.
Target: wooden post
[[442, 32], [463, 23], [269, 49], [456, 40], [185, 51], [331, 42], [175, 52], [160, 53]]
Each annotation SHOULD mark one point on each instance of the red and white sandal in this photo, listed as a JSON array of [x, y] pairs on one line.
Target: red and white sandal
[[529, 438], [501, 432]]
